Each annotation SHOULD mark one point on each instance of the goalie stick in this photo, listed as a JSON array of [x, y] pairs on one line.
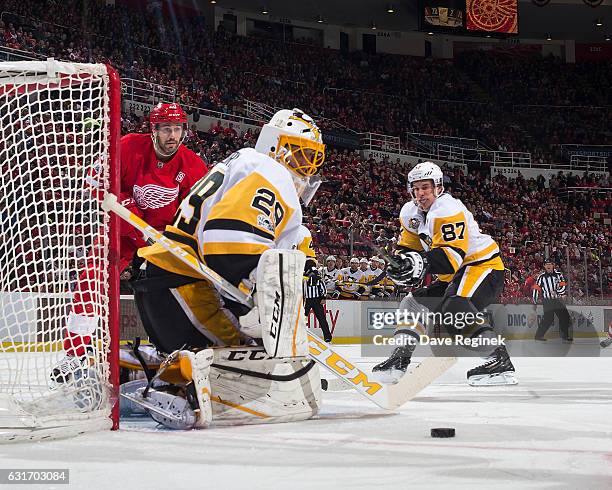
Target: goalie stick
[[387, 396]]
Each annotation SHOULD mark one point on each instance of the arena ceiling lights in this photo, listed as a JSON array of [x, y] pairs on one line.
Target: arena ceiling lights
[[567, 19]]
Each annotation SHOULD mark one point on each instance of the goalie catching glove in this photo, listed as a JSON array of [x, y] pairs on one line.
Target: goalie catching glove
[[409, 269]]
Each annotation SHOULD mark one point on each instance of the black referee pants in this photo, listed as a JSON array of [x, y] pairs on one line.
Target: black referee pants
[[554, 307], [316, 304]]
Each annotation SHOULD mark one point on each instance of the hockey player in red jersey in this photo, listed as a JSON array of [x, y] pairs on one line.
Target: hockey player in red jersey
[[157, 172]]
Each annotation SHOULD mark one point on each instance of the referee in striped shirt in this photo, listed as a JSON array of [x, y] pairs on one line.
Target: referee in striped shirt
[[314, 297], [549, 287]]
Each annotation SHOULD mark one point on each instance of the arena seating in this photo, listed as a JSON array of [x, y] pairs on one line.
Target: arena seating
[[380, 93]]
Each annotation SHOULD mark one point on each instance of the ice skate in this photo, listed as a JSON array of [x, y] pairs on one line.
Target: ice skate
[[497, 370], [393, 368]]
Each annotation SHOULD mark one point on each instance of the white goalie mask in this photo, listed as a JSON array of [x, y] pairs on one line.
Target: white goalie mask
[[293, 139], [426, 171]]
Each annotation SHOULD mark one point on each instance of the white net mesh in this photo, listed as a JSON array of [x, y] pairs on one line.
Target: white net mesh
[[54, 123]]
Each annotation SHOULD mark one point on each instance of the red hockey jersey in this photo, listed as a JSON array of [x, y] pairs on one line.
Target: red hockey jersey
[[157, 187]]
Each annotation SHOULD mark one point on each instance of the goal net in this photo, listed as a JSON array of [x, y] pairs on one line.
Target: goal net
[[58, 121]]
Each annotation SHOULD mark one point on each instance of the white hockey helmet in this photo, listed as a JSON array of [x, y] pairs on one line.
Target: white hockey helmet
[[426, 171], [363, 260], [330, 258], [354, 260], [293, 139]]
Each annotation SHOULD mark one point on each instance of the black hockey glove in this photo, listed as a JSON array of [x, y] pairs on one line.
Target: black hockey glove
[[410, 269], [310, 268]]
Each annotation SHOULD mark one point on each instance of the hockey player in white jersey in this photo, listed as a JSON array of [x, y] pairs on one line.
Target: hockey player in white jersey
[[364, 267], [349, 281], [242, 220], [440, 236], [330, 274], [377, 278], [366, 276]]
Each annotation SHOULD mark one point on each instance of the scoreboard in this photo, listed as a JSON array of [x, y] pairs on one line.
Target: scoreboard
[[498, 17]]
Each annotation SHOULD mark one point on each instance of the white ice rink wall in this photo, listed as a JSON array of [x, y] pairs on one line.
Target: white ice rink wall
[[350, 321]]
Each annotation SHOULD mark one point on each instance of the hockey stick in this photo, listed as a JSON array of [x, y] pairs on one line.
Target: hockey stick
[[385, 396], [380, 251]]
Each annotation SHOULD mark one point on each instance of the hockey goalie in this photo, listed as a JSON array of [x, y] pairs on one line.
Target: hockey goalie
[[225, 363]]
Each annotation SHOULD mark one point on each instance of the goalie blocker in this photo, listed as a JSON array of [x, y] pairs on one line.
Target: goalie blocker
[[272, 383], [181, 312]]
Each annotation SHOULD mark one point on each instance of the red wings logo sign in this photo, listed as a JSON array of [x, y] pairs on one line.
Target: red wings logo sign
[[492, 15]]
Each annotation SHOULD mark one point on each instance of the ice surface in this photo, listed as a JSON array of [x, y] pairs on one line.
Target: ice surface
[[553, 430]]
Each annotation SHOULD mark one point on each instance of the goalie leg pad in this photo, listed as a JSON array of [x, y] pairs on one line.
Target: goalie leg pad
[[250, 387], [244, 385], [196, 365], [170, 404], [279, 301]]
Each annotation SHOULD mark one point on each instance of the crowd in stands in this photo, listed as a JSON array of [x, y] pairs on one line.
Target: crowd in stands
[[361, 198], [555, 102], [360, 201], [475, 96]]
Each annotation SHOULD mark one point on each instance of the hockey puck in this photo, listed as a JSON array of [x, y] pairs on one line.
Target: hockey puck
[[443, 432]]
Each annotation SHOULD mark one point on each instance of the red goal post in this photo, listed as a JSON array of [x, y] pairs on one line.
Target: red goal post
[[58, 121]]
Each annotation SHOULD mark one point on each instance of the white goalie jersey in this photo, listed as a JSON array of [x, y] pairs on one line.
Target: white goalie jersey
[[245, 205]]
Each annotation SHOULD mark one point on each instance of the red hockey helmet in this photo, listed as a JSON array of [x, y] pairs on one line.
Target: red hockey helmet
[[167, 113]]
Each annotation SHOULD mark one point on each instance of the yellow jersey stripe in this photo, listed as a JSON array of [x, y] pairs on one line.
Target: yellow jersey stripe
[[239, 407], [159, 256], [234, 248], [452, 256], [486, 253], [306, 247], [472, 278], [260, 214], [410, 240]]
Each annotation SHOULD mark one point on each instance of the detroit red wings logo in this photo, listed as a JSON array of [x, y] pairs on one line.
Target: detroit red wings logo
[[153, 196], [492, 15]]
